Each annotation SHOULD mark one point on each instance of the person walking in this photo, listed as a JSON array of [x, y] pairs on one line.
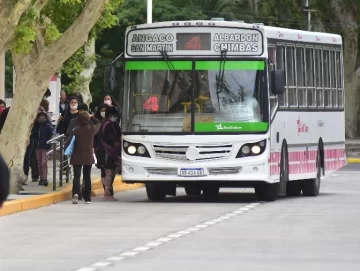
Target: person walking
[[111, 142], [40, 134], [82, 157]]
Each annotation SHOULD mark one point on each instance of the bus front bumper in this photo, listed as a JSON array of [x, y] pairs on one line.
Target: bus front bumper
[[227, 170]]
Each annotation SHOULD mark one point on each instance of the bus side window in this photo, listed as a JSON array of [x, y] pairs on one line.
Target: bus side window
[[311, 97], [290, 72], [280, 65]]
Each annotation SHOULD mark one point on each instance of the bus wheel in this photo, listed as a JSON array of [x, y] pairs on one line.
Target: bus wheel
[[156, 192], [211, 190], [267, 191], [192, 190], [311, 187], [293, 188]]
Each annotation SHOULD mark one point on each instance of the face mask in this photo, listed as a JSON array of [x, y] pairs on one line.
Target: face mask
[[74, 107], [113, 119], [108, 102], [102, 114]]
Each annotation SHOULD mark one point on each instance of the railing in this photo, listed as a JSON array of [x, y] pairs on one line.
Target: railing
[[63, 163]]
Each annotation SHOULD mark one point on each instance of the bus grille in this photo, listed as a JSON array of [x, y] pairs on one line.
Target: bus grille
[[161, 171], [206, 152]]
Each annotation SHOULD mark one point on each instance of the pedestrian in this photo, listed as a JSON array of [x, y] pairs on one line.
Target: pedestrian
[[111, 141], [40, 134], [99, 149], [82, 157], [4, 181], [2, 106], [63, 102]]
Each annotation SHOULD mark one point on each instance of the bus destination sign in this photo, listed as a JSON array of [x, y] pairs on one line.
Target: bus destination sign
[[194, 41]]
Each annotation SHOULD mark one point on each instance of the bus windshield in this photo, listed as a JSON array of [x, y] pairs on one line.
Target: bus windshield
[[224, 96]]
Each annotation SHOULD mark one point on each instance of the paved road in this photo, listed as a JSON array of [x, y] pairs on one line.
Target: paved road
[[185, 233]]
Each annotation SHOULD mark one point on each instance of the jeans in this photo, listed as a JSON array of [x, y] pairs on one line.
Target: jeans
[[87, 181]]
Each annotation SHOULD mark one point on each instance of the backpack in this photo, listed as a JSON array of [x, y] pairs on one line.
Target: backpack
[[112, 151]]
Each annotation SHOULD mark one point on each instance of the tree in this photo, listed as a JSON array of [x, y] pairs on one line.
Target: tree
[[39, 45]]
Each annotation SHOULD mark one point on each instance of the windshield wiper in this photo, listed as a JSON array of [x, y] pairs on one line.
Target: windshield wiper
[[220, 76], [167, 61]]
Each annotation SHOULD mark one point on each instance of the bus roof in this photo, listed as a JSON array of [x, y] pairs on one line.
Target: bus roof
[[270, 32]]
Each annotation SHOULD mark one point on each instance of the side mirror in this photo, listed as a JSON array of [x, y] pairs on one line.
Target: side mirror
[[278, 82], [109, 79]]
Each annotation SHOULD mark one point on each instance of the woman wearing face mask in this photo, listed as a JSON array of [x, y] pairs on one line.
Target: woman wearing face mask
[[41, 133], [111, 142], [99, 150]]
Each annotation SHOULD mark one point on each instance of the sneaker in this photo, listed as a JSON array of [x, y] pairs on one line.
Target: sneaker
[[75, 199], [88, 202]]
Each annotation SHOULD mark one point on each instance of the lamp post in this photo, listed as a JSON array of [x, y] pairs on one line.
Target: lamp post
[[149, 11]]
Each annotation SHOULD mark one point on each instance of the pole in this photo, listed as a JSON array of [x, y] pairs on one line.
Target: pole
[[2, 76], [54, 165], [308, 15], [149, 11]]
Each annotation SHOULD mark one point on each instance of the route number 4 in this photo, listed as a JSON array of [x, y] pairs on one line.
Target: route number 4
[[151, 104]]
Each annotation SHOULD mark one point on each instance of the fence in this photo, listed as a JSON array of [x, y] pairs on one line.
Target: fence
[[57, 147]]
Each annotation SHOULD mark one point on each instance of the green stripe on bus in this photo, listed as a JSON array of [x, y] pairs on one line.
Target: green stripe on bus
[[231, 126], [230, 65], [158, 65]]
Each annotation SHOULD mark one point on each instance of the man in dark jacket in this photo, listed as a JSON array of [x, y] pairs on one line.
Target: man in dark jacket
[[4, 181]]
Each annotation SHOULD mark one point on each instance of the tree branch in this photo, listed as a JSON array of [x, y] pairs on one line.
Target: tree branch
[[39, 5], [40, 41], [8, 24], [75, 36]]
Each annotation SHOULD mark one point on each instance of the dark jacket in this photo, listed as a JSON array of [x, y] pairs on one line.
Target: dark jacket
[[3, 117], [4, 180], [40, 134], [84, 140], [110, 135], [73, 124]]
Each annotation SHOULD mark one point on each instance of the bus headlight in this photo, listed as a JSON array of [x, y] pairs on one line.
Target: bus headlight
[[141, 150], [135, 149], [131, 149], [252, 149], [256, 149]]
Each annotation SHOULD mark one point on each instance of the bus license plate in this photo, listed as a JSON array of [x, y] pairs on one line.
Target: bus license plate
[[191, 172]]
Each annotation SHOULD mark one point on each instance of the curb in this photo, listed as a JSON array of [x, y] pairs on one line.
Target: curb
[[16, 206], [353, 160]]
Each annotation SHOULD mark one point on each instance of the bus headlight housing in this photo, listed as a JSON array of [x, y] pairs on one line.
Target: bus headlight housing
[[252, 149], [135, 149]]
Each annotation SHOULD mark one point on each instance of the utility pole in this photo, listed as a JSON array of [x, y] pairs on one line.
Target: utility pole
[[149, 11], [308, 10]]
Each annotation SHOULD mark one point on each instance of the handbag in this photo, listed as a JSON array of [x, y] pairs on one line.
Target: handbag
[[112, 151], [70, 149]]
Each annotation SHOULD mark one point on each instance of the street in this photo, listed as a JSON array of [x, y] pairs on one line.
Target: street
[[188, 233]]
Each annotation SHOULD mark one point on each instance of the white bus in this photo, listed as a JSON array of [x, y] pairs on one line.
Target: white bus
[[211, 104]]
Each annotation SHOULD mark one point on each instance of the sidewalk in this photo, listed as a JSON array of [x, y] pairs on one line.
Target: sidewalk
[[34, 189]]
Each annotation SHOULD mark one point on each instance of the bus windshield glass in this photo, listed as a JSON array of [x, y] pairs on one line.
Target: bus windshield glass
[[223, 96]]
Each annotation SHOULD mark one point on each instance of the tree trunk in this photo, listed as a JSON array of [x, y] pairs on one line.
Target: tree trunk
[[88, 71], [19, 122], [347, 18]]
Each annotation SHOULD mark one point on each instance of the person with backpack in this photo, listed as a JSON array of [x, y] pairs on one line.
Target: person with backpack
[[111, 142]]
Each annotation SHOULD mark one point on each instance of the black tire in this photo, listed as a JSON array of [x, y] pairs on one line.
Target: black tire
[[284, 171], [267, 191], [293, 188], [156, 192], [211, 191], [192, 190], [311, 187]]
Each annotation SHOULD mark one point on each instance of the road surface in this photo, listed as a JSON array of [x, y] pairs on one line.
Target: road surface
[[187, 233]]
